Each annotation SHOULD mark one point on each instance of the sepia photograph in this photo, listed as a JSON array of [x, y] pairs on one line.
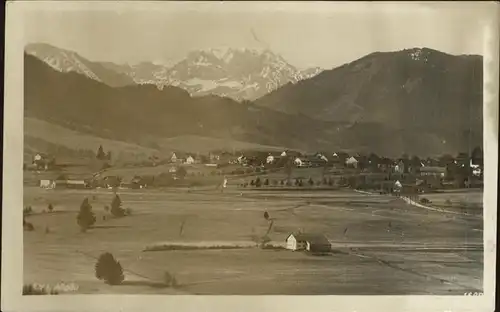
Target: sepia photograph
[[223, 148]]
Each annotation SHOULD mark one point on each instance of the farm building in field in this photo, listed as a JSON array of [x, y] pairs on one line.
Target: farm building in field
[[78, 184], [308, 241], [48, 184]]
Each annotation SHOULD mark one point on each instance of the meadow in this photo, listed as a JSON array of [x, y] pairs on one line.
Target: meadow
[[381, 245]]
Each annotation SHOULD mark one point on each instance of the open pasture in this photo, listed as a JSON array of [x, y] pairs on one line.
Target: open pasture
[[381, 245]]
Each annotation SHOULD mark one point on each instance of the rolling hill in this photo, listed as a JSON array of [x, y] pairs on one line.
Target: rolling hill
[[411, 93], [419, 102]]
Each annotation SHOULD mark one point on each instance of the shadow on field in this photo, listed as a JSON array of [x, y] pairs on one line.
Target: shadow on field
[[110, 226], [144, 283]]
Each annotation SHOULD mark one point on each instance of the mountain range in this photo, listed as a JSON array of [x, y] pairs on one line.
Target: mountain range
[[241, 74], [416, 101]]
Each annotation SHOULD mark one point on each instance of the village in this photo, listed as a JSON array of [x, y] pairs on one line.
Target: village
[[263, 169]]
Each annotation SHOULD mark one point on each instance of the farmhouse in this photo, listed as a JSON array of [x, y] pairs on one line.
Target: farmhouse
[[177, 157], [43, 161], [400, 167], [77, 183], [298, 162], [351, 162], [48, 184], [242, 159], [190, 160], [270, 159], [307, 241], [322, 157], [432, 171], [397, 186]]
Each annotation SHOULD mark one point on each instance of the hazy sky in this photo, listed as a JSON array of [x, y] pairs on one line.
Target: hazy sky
[[321, 34]]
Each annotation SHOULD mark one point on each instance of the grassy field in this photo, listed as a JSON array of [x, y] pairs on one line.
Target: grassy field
[[382, 245]]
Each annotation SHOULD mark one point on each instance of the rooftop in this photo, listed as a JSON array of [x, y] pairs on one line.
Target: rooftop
[[315, 238]]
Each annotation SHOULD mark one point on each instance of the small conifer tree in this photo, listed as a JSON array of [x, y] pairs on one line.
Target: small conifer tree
[[86, 217]]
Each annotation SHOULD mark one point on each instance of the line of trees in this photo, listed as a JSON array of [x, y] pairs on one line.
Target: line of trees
[[258, 182]]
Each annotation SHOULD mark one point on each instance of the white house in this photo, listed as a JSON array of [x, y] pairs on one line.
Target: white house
[[173, 158], [270, 159], [352, 162], [190, 160], [398, 186], [241, 159], [400, 167], [298, 162], [476, 172], [283, 154], [308, 242], [49, 184], [37, 157], [172, 169], [476, 169]]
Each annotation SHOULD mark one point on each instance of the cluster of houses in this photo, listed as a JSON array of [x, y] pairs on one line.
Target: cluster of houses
[[446, 167], [404, 165]]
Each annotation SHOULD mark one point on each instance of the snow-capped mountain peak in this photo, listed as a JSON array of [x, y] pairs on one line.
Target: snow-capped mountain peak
[[238, 73]]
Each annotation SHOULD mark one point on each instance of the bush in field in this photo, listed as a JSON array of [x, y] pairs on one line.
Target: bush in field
[[169, 279], [297, 182], [325, 181], [50, 207], [266, 182], [86, 217], [258, 183], [424, 200], [116, 207], [109, 269], [282, 182]]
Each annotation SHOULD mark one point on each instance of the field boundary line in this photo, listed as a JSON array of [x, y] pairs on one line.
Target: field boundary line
[[413, 203]]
